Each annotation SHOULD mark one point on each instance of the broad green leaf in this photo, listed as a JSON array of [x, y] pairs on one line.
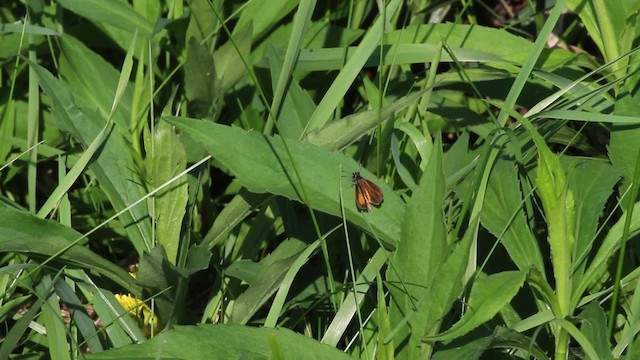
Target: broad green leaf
[[471, 350], [231, 57], [488, 295], [440, 295], [203, 22], [488, 40], [168, 159], [598, 266], [25, 233], [117, 13], [201, 82], [592, 182], [151, 270], [224, 342], [593, 325], [623, 147], [422, 250], [503, 215], [197, 259], [559, 210], [261, 164]]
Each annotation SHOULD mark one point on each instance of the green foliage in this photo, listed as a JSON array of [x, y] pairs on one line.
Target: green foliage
[[229, 341], [207, 148]]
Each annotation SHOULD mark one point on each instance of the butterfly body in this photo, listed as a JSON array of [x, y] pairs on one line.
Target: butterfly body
[[367, 193]]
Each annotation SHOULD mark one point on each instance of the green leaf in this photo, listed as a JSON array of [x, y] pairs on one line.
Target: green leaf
[[611, 243], [579, 337], [18, 330], [447, 286], [201, 82], [79, 316], [352, 68], [559, 210], [56, 329], [297, 105], [623, 147], [93, 82], [168, 159], [340, 133], [263, 15], [230, 58], [25, 233], [488, 295], [197, 259], [611, 25], [120, 328], [261, 164], [114, 167], [422, 250], [271, 272], [592, 182], [503, 215], [151, 269], [117, 13], [385, 350], [353, 300], [224, 342], [482, 39], [594, 328], [502, 338], [203, 21], [231, 215]]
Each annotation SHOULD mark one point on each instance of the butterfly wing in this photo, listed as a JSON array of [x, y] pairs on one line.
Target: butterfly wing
[[362, 200], [375, 195]]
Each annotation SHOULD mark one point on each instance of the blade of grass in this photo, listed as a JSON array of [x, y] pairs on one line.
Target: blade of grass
[[18, 329], [350, 70], [75, 172], [56, 330]]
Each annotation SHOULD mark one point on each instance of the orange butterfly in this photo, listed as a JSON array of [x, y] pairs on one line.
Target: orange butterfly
[[367, 192]]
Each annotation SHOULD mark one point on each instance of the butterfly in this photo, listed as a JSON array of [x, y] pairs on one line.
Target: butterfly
[[367, 192]]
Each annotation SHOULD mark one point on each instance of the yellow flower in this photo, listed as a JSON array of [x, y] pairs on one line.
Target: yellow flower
[[146, 319]]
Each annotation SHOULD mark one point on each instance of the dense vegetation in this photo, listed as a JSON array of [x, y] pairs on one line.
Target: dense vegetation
[[177, 179]]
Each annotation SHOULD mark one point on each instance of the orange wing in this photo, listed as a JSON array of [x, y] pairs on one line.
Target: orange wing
[[367, 192], [374, 193], [362, 201]]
